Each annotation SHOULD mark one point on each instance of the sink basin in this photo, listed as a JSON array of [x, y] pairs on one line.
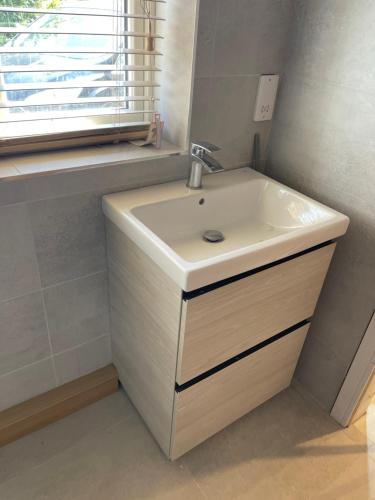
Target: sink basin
[[260, 219]]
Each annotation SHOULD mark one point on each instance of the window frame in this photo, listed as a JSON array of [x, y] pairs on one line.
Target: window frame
[[99, 135]]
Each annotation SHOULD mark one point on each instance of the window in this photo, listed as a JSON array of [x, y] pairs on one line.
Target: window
[[76, 71]]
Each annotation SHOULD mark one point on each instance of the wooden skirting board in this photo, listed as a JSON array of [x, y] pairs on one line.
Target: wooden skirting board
[[46, 408]]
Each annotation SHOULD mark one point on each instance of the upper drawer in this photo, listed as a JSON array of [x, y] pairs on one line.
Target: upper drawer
[[228, 320]]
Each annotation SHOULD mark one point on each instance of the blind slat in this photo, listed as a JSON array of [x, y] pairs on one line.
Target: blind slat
[[141, 52], [78, 100], [77, 12], [50, 31], [77, 85], [77, 114], [50, 69]]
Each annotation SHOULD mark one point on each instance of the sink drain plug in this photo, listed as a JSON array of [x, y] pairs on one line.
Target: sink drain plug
[[213, 236]]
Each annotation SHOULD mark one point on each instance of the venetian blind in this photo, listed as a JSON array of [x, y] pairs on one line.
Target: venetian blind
[[77, 66]]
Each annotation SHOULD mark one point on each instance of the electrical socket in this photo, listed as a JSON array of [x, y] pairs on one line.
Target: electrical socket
[[266, 97]]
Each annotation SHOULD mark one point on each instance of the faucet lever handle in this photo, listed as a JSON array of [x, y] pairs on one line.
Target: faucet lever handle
[[202, 146]]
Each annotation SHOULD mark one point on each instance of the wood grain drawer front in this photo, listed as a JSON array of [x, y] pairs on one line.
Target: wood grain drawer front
[[229, 320], [210, 405]]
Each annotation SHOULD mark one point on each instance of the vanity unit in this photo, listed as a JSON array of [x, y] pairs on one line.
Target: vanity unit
[[203, 332]]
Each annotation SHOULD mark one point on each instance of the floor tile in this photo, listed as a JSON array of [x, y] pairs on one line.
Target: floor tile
[[123, 462], [246, 458], [39, 447], [288, 448]]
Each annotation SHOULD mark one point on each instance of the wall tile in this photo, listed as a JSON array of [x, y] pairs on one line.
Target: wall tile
[[351, 112], [333, 42], [347, 300], [309, 102], [77, 311], [125, 176], [200, 108], [236, 40], [83, 359], [26, 383], [12, 192], [69, 237], [354, 66], [320, 371], [272, 24], [23, 332], [208, 10], [252, 36], [18, 265]]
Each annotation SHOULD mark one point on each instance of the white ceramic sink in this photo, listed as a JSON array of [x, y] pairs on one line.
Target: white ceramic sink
[[262, 221]]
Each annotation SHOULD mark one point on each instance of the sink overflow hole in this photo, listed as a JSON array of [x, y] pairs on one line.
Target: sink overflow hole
[[213, 236], [201, 201]]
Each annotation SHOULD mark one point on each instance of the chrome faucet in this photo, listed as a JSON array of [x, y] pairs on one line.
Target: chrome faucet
[[201, 159]]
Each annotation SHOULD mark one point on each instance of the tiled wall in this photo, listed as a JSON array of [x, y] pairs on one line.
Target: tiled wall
[[54, 322], [238, 40], [323, 144]]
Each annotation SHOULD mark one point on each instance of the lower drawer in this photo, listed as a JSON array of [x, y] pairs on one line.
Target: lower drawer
[[210, 405]]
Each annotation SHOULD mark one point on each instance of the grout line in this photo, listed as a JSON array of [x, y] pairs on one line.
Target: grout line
[[41, 289], [31, 292], [49, 340], [138, 184], [197, 484], [23, 202], [104, 335], [74, 279], [25, 366]]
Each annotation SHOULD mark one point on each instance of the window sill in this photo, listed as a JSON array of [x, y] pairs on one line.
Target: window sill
[[30, 165]]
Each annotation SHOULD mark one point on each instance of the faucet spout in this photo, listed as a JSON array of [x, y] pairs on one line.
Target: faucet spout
[[212, 165], [202, 160]]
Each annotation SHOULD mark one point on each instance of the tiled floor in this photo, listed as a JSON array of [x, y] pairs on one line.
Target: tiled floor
[[286, 449]]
